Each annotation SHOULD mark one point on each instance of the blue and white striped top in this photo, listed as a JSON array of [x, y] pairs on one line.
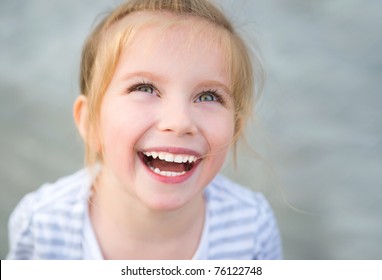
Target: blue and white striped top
[[50, 223]]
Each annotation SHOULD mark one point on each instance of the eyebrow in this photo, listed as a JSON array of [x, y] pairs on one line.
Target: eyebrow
[[214, 83], [144, 74]]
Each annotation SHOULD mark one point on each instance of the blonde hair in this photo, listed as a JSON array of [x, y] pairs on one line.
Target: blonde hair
[[99, 60]]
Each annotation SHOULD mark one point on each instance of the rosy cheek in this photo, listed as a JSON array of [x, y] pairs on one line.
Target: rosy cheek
[[224, 132], [111, 134]]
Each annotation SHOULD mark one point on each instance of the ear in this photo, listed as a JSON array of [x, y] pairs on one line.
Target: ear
[[82, 120], [81, 116]]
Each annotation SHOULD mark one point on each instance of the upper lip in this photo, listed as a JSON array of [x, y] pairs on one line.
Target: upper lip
[[173, 150]]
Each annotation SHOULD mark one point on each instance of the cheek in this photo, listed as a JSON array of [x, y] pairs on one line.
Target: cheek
[[117, 129], [112, 148], [123, 123], [220, 141], [221, 132]]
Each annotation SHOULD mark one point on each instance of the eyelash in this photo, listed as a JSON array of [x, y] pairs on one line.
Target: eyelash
[[216, 96], [136, 87]]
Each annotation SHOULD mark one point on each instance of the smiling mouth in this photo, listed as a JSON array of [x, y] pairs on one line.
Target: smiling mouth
[[168, 164]]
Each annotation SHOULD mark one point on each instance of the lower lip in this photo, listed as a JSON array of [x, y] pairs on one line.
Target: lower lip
[[173, 179]]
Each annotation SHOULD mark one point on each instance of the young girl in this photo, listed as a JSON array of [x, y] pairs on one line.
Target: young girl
[[167, 87]]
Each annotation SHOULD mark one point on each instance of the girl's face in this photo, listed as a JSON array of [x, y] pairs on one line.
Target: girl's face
[[167, 117]]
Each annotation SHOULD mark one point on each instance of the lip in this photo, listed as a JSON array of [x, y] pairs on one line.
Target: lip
[[174, 150]]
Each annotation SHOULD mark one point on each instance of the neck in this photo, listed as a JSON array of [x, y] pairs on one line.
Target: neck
[[116, 215]]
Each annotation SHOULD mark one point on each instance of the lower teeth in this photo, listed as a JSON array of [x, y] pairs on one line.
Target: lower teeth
[[167, 173]]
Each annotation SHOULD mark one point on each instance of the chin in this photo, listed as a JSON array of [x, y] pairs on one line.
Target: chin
[[172, 200], [165, 205]]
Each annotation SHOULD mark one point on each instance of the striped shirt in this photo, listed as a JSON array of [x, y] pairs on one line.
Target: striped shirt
[[50, 223]]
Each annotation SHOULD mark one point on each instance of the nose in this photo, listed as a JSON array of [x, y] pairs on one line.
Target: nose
[[178, 118]]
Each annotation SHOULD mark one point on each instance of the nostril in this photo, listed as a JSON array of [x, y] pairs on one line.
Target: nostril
[[180, 124]]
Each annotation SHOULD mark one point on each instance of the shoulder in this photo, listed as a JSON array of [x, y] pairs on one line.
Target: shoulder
[[65, 191], [46, 213], [223, 192], [241, 222]]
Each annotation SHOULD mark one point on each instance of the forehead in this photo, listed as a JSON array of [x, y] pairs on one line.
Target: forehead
[[168, 21], [150, 35], [180, 32]]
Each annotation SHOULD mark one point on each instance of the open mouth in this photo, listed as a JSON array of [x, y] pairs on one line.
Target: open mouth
[[168, 164]]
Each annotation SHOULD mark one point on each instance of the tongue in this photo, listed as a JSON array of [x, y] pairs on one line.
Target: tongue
[[168, 166]]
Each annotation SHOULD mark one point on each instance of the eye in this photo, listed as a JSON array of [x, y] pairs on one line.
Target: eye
[[145, 88], [209, 96]]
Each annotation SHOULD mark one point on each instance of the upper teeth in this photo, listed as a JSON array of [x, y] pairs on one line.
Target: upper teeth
[[171, 157]]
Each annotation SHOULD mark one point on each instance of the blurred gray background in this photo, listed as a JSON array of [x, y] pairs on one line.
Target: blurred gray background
[[318, 127]]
